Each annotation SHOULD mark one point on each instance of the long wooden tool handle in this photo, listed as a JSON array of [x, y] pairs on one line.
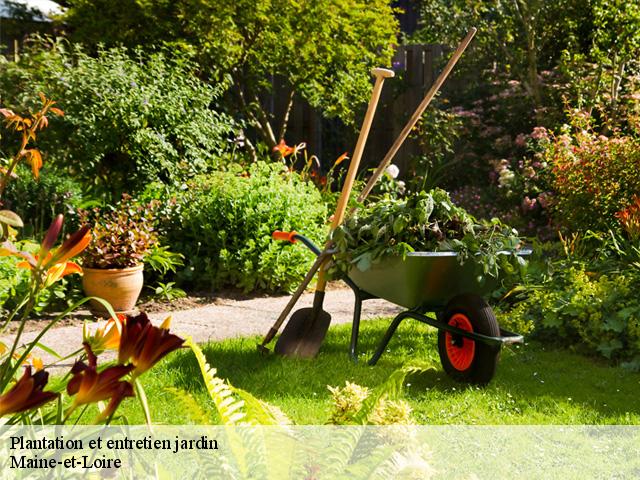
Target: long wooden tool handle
[[338, 216], [417, 114]]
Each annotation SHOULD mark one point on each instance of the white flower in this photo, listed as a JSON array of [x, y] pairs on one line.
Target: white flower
[[393, 171]]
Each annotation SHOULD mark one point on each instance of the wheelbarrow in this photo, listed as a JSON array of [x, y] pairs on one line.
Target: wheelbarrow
[[469, 337]]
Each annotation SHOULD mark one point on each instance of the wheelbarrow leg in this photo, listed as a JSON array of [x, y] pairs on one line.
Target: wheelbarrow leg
[[387, 336], [355, 328]]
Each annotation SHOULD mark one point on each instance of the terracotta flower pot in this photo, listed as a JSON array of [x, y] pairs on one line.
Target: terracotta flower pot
[[120, 287]]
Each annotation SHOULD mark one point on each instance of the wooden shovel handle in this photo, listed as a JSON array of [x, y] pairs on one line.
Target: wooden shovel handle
[[381, 74], [417, 114]]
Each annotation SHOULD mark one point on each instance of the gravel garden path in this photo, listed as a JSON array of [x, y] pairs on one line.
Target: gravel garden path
[[226, 318]]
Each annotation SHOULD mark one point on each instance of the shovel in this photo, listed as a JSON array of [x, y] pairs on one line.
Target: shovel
[[307, 327]]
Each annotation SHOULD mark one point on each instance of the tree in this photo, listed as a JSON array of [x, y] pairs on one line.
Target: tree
[[521, 37], [322, 49], [616, 41]]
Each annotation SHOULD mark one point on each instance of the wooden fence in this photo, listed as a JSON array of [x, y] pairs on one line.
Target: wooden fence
[[416, 68]]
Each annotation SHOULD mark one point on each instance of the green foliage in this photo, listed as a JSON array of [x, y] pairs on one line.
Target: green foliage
[[38, 201], [190, 406], [522, 37], [163, 261], [129, 117], [14, 281], [597, 312], [323, 50], [423, 222], [167, 291], [436, 135], [15, 285], [222, 224], [123, 235], [587, 297]]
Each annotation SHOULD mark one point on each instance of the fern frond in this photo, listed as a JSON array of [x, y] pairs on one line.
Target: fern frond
[[408, 464], [367, 465], [337, 451], [230, 409], [260, 412], [190, 406], [391, 389]]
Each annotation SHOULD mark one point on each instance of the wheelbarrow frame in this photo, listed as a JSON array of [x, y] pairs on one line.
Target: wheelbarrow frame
[[418, 313]]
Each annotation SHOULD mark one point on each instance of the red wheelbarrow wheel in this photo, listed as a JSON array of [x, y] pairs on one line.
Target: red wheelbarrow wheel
[[462, 358]]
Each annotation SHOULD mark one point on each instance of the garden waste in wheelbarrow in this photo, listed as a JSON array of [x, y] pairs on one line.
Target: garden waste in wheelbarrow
[[469, 337]]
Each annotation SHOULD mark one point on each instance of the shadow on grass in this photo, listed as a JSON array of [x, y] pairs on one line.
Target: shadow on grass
[[536, 376]]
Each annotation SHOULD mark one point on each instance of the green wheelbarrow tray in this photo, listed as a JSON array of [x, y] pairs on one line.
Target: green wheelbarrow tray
[[425, 280]]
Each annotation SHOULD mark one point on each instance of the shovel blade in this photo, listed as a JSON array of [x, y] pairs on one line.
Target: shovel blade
[[304, 333]]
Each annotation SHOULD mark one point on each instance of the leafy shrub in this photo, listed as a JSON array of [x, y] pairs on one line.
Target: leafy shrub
[[593, 176], [38, 201], [585, 296], [222, 224], [12, 281], [130, 117], [598, 312]]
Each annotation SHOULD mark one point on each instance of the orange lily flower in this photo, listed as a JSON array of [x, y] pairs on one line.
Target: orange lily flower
[[56, 272], [284, 149], [144, 344], [72, 246], [55, 262], [106, 336], [27, 393], [89, 386], [341, 159], [30, 361]]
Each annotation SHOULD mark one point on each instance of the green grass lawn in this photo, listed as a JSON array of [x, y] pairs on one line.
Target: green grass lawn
[[535, 384]]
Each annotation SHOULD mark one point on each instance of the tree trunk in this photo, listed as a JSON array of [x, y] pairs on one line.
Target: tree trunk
[[528, 19], [285, 118]]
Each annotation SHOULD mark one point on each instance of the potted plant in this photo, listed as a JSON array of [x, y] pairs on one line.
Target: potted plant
[[113, 262]]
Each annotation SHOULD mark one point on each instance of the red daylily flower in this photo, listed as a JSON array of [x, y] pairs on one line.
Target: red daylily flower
[[629, 218], [143, 344], [27, 393], [89, 386]]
